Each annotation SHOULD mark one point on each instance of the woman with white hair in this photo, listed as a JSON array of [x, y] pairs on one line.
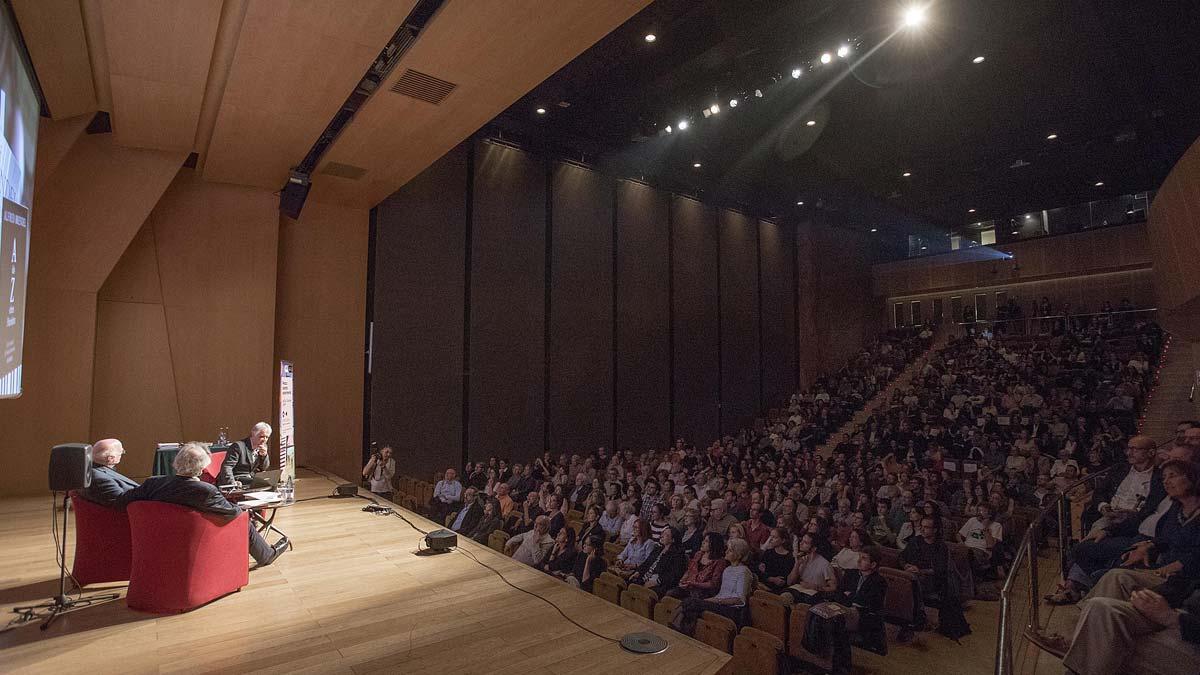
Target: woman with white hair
[[186, 489]]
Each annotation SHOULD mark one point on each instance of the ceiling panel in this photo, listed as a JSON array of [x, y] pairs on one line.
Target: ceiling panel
[[495, 51], [296, 62], [159, 54], [53, 31]]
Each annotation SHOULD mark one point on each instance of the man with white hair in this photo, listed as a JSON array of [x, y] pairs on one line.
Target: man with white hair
[[186, 489], [246, 457], [107, 483]]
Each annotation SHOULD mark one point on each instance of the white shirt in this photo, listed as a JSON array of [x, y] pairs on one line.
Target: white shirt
[[531, 547], [1150, 524], [736, 582], [447, 491], [846, 559], [381, 475], [972, 533], [1132, 490]]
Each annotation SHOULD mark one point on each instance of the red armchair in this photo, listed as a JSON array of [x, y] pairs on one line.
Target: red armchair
[[183, 558], [103, 551], [214, 467]]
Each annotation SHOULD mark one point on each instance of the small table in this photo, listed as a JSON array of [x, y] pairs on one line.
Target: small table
[[265, 523]]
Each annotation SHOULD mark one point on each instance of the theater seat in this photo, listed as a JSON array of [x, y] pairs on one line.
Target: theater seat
[[497, 539], [716, 630], [757, 653], [639, 600], [182, 558], [769, 613], [612, 550], [608, 586], [797, 623], [103, 550], [890, 557], [209, 475], [665, 609]]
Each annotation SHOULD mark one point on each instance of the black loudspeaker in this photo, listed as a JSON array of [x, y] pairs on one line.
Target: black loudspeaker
[[441, 540], [346, 490], [293, 194], [70, 467]]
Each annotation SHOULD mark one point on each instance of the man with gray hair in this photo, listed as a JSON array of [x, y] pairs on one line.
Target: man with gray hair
[[186, 489], [246, 457], [107, 484]]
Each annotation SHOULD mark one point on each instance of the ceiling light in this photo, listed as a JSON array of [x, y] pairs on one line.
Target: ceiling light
[[540, 111], [913, 16], [651, 37], [799, 203], [970, 210], [1052, 137], [1015, 233], [714, 108], [978, 59], [874, 229], [758, 93], [843, 51], [696, 165], [826, 57], [1129, 212], [669, 129], [1099, 183], [811, 123], [733, 102], [906, 174], [796, 73], [683, 124], [924, 247]]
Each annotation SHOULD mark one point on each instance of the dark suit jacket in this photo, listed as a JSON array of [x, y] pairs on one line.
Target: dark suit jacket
[[579, 495], [241, 460], [190, 492], [668, 565], [474, 513], [107, 485], [870, 597]]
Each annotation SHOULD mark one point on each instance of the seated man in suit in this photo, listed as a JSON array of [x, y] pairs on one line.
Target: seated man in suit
[[186, 489], [107, 484], [470, 513], [246, 457]]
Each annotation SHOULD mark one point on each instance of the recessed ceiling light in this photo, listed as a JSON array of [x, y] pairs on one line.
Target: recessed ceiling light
[[799, 203], [1028, 216], [874, 229], [714, 108], [683, 124], [1099, 183], [669, 129], [826, 57], [978, 59], [1015, 233], [811, 123], [906, 174], [733, 103], [970, 210], [924, 247], [651, 37], [1129, 212], [843, 51], [1052, 137], [540, 111], [696, 165], [796, 73]]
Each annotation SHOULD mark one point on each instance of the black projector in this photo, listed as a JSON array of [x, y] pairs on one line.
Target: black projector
[[441, 540]]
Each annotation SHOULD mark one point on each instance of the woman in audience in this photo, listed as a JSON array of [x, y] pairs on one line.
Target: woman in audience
[[663, 570], [776, 560], [847, 558], [909, 528], [737, 583], [879, 528], [659, 522], [693, 532], [703, 574], [561, 559], [489, 522], [591, 523], [629, 521], [675, 516], [589, 564], [557, 513], [640, 547]]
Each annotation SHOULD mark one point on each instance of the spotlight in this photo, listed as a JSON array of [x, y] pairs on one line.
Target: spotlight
[[669, 129], [978, 59], [714, 108], [811, 123], [540, 111], [683, 125], [758, 93], [843, 51], [1015, 233], [796, 73], [874, 229], [799, 203], [733, 103], [1051, 137], [826, 57], [970, 210], [913, 17], [651, 37], [1099, 183], [696, 165], [906, 174], [1028, 217]]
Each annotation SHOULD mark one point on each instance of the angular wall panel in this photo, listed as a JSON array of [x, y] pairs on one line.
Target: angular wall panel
[[697, 374], [778, 312], [739, 320]]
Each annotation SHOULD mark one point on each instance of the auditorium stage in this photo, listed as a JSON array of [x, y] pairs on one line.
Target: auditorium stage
[[351, 598]]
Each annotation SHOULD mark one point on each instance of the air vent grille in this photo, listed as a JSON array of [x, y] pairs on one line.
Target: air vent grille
[[423, 87], [343, 170]]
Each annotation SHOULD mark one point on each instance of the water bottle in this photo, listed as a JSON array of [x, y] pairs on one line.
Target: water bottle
[[289, 491], [222, 437]]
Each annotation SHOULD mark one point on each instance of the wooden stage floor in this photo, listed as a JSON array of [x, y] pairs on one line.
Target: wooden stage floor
[[351, 598]]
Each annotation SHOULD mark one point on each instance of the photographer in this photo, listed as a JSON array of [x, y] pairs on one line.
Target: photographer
[[379, 471]]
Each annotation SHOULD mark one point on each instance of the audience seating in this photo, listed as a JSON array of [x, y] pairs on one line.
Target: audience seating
[[611, 550], [891, 557], [209, 475], [103, 549], [756, 652], [769, 613], [902, 604], [664, 610], [797, 622], [716, 630], [609, 586], [639, 600], [497, 539], [183, 558]]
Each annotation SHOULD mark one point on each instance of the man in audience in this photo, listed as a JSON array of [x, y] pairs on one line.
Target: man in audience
[[927, 556], [504, 499], [107, 484], [186, 489], [446, 494], [469, 512], [246, 457], [719, 518], [532, 546], [583, 488]]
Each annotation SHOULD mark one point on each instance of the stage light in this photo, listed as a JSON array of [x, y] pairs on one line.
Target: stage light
[[1015, 233], [811, 123], [651, 37], [1028, 217], [913, 17], [1099, 183], [906, 174], [733, 103], [540, 111], [1051, 137], [696, 165], [843, 51], [978, 59], [683, 125], [669, 129], [874, 229], [796, 73], [799, 203], [758, 93], [714, 109], [970, 210], [826, 57]]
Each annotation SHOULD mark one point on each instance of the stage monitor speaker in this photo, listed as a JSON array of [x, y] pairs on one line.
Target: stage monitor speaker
[[70, 467], [441, 540], [346, 490]]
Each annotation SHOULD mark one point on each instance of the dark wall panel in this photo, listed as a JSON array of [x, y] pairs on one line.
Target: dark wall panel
[[697, 376], [778, 312], [739, 319], [416, 380], [580, 382], [643, 373], [507, 355]]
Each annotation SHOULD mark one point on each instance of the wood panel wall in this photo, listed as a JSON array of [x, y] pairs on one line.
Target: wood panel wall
[[740, 375], [1174, 233], [697, 371], [778, 309]]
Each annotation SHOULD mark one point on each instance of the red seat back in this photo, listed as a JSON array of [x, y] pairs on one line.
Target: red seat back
[[214, 467], [103, 551], [183, 558]]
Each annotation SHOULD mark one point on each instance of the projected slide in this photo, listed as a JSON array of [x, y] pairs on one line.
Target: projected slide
[[18, 141]]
